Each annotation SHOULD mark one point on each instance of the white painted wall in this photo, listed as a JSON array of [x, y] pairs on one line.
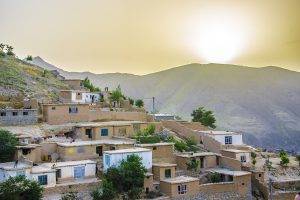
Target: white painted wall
[[86, 97], [68, 171], [248, 156], [51, 178], [236, 139], [115, 159], [4, 175]]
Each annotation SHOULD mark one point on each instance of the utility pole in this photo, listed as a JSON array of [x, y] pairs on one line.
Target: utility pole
[[153, 105]]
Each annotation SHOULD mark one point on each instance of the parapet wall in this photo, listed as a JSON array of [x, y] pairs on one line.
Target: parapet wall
[[18, 116], [230, 163], [98, 115]]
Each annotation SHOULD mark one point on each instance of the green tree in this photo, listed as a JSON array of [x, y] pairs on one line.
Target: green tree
[[180, 146], [215, 177], [253, 156], [20, 188], [8, 143], [116, 95], [128, 178], [284, 160], [106, 192], [205, 117], [139, 103], [193, 164], [87, 84], [9, 50], [282, 153], [29, 58], [131, 101]]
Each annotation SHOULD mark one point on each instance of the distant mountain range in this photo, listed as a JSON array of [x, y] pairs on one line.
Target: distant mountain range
[[263, 103]]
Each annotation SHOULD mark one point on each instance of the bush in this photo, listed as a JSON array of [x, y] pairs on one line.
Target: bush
[[70, 196], [149, 139], [8, 143], [282, 153], [20, 188], [139, 103], [298, 159], [29, 58], [180, 146], [284, 160], [106, 192], [131, 101], [215, 177], [205, 117]]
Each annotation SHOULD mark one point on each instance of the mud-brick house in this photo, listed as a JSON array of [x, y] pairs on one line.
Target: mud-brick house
[[80, 150], [32, 152], [65, 113], [79, 96], [242, 155], [205, 159], [75, 84], [163, 171], [180, 186], [161, 152], [18, 116], [114, 157]]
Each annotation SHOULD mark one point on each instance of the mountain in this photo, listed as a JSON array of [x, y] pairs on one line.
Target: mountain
[[262, 103], [21, 79]]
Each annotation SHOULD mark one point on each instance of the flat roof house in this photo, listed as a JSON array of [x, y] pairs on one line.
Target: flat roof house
[[225, 137], [75, 84], [161, 152], [114, 158], [163, 171], [79, 96], [18, 116], [242, 155]]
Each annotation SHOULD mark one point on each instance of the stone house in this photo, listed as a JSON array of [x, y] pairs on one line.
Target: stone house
[[75, 84], [161, 152], [163, 171], [18, 116], [242, 155]]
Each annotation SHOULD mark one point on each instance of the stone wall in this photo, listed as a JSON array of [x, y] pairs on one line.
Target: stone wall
[[18, 116], [230, 163]]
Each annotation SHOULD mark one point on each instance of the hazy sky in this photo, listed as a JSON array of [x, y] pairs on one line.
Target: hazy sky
[[137, 36]]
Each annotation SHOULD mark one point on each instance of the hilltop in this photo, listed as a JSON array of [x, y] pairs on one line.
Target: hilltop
[[19, 79], [263, 103]]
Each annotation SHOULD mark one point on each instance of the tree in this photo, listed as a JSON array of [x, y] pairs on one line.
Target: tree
[[20, 188], [131, 101], [253, 156], [193, 164], [139, 103], [106, 192], [116, 95], [87, 84], [180, 146], [127, 179], [29, 58], [9, 50], [215, 177], [8, 143], [282, 153], [206, 117]]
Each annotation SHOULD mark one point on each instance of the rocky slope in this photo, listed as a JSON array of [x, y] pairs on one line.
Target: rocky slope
[[263, 103]]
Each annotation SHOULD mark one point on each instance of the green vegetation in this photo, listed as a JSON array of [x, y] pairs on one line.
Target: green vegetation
[[253, 156], [284, 159], [2, 46], [193, 164], [206, 117], [215, 177], [268, 163], [20, 188], [147, 135], [117, 95], [189, 145], [126, 181], [139, 103], [8, 143], [9, 50], [29, 58], [70, 196], [87, 84], [131, 101]]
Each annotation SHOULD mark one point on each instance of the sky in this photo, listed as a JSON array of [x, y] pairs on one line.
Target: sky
[[140, 37]]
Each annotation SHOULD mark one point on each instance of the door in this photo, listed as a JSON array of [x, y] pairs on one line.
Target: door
[[79, 172], [99, 150]]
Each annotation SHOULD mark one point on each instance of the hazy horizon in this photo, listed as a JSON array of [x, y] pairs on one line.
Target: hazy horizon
[[142, 37]]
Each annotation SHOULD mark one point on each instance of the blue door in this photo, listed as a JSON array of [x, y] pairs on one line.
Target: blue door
[[79, 172]]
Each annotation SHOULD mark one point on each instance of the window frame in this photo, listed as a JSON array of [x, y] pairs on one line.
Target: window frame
[[102, 134], [228, 139], [168, 173], [43, 179], [182, 189]]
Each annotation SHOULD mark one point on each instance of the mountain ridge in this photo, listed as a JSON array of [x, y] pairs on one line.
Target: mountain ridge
[[263, 103]]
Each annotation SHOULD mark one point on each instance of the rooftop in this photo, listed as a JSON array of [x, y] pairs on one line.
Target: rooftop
[[228, 172], [110, 123], [197, 154], [236, 150], [180, 179], [96, 142], [68, 163], [41, 169], [156, 144], [164, 164], [220, 132], [131, 150], [63, 104], [11, 166]]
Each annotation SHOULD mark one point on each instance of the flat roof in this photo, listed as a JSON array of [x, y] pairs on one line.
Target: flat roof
[[180, 179], [14, 109], [68, 163], [236, 150], [156, 144], [73, 79], [220, 132], [10, 166], [41, 169], [197, 154], [164, 164], [64, 104], [131, 150], [163, 115], [77, 91], [109, 123], [28, 146], [228, 172], [96, 142]]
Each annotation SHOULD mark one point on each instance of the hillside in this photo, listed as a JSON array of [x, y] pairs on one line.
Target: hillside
[[19, 79], [263, 103]]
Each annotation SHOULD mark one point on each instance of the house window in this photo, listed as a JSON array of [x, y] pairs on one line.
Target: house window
[[79, 172], [25, 113], [107, 160], [243, 158], [15, 113], [228, 139], [112, 148], [88, 132], [167, 173], [154, 148], [73, 109], [182, 189], [53, 108], [3, 114], [43, 179], [259, 175], [104, 132]]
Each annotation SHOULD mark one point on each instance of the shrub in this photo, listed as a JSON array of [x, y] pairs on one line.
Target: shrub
[[282, 153], [131, 101], [206, 117], [215, 177], [8, 143], [70, 196], [180, 146], [193, 164], [284, 160], [29, 58], [139, 103]]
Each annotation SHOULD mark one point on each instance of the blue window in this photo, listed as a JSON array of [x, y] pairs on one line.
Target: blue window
[[79, 172], [104, 132], [107, 160], [228, 139], [43, 179]]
